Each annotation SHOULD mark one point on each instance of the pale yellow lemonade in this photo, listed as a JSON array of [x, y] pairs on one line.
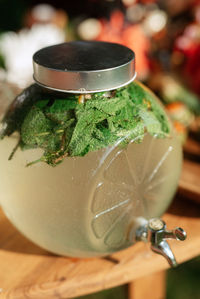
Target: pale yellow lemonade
[[87, 206]]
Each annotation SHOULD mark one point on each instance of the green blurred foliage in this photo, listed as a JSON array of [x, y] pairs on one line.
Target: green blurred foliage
[[184, 281], [2, 62], [115, 293], [11, 14]]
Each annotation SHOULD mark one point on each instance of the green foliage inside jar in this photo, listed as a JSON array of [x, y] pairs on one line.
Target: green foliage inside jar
[[78, 124]]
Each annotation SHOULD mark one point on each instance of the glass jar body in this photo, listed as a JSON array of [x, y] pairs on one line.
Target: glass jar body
[[89, 206]]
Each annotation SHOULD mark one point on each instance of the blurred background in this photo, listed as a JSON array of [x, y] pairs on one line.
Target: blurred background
[[165, 35]]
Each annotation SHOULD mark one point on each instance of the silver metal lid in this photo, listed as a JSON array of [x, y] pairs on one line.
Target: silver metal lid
[[84, 66]]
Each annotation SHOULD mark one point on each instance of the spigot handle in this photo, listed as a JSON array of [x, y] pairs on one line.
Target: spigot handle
[[178, 234]]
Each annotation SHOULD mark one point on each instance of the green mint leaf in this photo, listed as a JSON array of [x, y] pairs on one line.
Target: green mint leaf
[[62, 105], [108, 106], [41, 104], [84, 128], [152, 124], [35, 128], [135, 134]]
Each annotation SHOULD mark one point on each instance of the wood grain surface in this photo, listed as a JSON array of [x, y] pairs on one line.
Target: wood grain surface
[[189, 183], [151, 286], [192, 148]]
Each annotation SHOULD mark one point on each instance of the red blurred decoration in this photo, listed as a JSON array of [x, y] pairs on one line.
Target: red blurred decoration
[[115, 30], [192, 66], [148, 1], [189, 45]]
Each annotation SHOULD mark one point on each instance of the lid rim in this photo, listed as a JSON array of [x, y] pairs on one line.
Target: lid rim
[[85, 91], [89, 71]]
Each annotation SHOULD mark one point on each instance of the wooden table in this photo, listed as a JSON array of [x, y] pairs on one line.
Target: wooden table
[[27, 271]]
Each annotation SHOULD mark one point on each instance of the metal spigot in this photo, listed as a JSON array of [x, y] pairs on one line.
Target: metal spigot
[[155, 231]]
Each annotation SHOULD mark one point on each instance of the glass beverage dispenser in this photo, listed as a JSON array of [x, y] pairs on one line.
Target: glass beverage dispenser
[[89, 155]]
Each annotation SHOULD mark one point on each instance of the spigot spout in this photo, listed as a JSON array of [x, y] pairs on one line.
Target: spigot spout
[[164, 249]]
